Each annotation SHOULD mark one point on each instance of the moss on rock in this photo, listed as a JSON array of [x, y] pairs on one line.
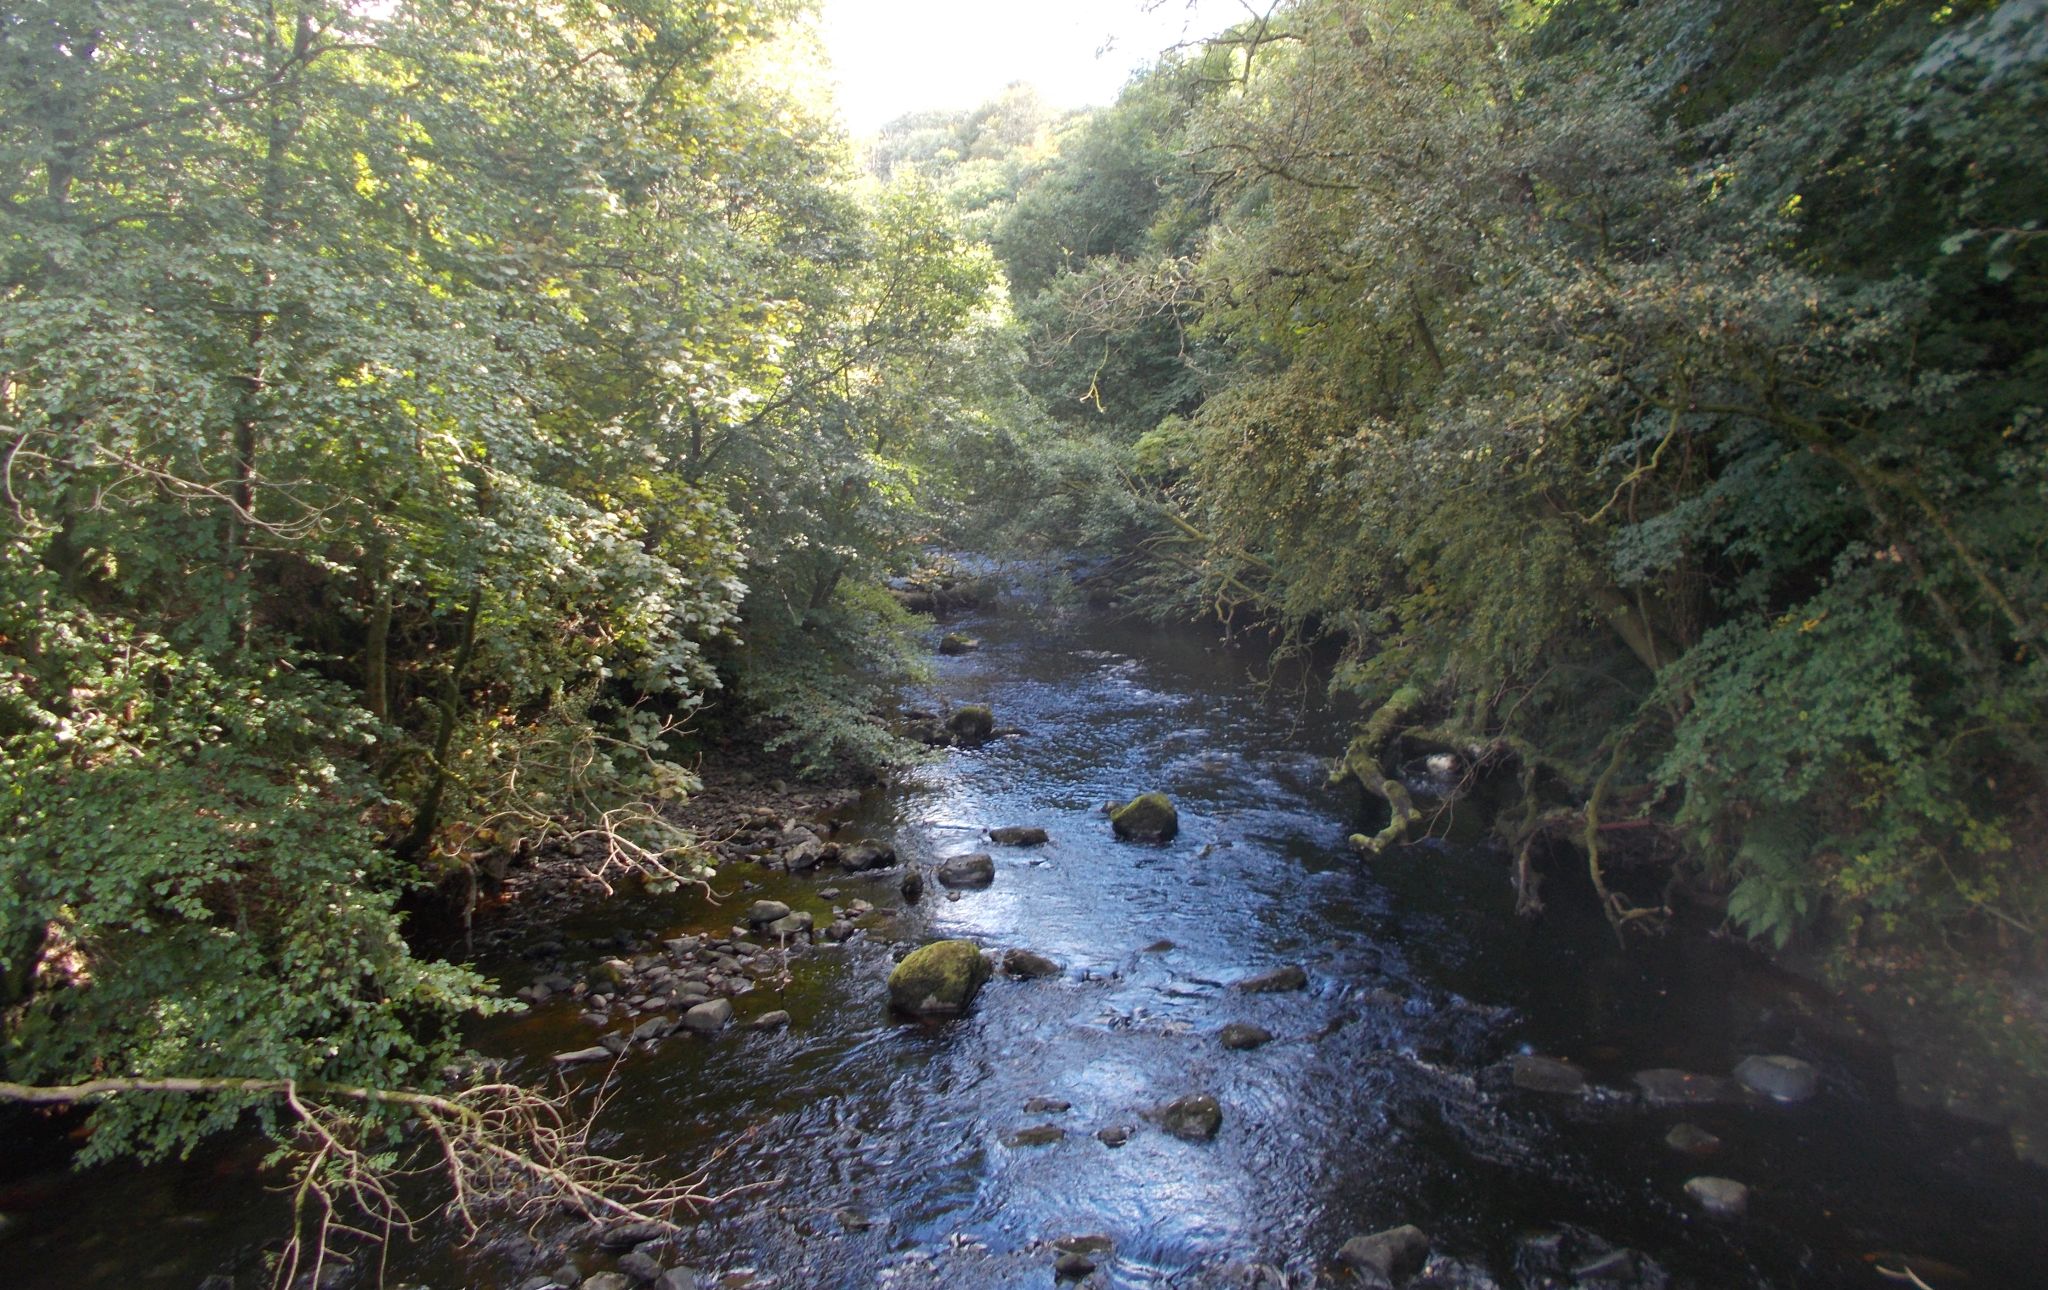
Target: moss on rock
[[938, 980]]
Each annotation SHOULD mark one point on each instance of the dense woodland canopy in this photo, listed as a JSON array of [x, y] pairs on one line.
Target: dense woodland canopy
[[425, 424], [1648, 396]]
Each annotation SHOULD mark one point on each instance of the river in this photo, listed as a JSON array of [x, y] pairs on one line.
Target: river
[[1381, 1100]]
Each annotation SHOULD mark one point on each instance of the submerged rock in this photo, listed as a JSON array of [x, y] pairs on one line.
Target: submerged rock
[[975, 870], [1393, 1255], [1038, 1135], [1720, 1197], [1780, 1078], [1692, 1140], [1148, 817], [1196, 1117], [1666, 1087], [1547, 1075], [596, 1053], [1018, 835], [938, 980]]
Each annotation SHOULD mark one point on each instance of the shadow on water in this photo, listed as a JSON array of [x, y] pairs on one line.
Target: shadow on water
[[861, 1150]]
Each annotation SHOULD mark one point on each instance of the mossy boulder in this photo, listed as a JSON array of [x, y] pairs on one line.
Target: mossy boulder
[[1148, 817], [938, 980], [957, 643]]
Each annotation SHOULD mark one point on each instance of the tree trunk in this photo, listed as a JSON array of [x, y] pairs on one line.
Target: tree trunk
[[428, 816]]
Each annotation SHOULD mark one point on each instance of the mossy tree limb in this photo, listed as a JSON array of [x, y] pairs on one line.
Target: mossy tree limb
[[1361, 761]]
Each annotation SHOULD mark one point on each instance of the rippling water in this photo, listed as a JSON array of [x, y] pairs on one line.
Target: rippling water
[[874, 1146]]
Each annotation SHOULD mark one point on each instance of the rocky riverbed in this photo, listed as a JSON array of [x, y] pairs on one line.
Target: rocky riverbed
[[1225, 1054]]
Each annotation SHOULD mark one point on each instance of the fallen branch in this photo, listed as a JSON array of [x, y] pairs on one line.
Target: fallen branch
[[501, 1148]]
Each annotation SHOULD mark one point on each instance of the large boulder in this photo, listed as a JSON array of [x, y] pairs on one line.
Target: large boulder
[[977, 870], [1148, 817], [958, 643], [938, 980], [971, 726], [765, 912]]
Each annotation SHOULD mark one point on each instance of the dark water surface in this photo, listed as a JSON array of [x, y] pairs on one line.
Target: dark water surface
[[1381, 1101]]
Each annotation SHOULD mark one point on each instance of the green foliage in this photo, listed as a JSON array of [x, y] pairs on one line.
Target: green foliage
[[197, 840], [416, 417], [819, 683], [1661, 376]]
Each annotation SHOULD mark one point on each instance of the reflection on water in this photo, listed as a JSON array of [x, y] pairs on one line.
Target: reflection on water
[[875, 1147]]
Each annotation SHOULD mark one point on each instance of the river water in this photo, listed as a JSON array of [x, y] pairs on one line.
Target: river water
[[875, 1146]]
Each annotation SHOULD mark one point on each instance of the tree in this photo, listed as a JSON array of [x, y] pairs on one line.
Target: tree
[[400, 402]]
